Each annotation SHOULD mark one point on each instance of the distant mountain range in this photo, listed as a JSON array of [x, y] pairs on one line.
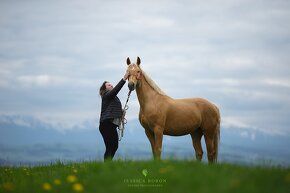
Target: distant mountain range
[[25, 130], [27, 139]]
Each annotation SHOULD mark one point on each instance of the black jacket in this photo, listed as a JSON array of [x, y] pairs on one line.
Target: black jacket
[[111, 105]]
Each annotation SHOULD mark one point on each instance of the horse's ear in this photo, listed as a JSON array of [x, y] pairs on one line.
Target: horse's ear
[[128, 61], [138, 61]]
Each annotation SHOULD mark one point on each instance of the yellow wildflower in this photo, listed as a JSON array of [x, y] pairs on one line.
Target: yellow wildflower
[[57, 182], [8, 186], [77, 187], [71, 179], [167, 169], [46, 186], [287, 178], [234, 183]]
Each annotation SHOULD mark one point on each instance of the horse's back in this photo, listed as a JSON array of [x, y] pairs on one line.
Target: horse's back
[[201, 103], [209, 112]]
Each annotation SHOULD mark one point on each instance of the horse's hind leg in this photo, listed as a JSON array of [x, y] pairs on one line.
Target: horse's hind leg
[[209, 141], [196, 141]]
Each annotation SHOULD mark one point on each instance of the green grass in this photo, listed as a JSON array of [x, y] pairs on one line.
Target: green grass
[[145, 176]]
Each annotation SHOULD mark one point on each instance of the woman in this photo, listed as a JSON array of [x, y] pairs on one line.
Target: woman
[[111, 114]]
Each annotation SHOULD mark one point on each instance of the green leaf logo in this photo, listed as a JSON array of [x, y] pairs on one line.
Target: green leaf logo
[[145, 172]]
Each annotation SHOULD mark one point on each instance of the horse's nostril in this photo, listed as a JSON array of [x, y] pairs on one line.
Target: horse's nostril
[[131, 86]]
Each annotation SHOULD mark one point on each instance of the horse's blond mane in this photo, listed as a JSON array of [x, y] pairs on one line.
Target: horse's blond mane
[[153, 84]]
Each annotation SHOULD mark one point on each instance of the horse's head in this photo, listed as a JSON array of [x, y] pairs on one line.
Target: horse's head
[[135, 73]]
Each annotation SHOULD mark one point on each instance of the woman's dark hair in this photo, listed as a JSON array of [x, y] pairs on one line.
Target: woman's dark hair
[[103, 88]]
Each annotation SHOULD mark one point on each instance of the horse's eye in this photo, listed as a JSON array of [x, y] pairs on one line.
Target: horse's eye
[[138, 71]]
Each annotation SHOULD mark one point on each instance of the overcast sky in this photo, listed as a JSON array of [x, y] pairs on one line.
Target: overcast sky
[[55, 54]]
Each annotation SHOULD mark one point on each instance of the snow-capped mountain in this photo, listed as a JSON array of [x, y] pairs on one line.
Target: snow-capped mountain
[[32, 134]]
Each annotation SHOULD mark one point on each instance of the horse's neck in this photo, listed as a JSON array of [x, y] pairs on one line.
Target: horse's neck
[[145, 93]]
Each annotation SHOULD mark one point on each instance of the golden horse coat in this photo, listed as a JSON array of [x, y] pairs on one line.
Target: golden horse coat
[[162, 115]]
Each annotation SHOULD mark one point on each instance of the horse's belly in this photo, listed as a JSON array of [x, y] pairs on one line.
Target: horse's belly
[[173, 132], [182, 119], [178, 128]]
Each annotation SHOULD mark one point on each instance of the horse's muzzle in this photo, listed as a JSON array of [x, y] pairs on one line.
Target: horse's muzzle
[[131, 86]]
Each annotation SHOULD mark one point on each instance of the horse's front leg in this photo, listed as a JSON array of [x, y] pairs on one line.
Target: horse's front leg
[[150, 136], [158, 136]]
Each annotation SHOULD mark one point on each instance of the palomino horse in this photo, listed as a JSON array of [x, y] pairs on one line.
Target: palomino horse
[[161, 115]]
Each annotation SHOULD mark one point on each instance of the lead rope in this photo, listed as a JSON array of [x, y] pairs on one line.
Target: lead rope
[[123, 121]]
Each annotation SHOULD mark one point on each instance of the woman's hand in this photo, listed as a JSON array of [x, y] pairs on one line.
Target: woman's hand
[[126, 76]]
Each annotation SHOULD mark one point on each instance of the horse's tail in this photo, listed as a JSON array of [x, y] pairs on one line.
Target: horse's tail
[[217, 136]]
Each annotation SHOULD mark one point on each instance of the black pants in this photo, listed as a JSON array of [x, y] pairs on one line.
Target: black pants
[[110, 136]]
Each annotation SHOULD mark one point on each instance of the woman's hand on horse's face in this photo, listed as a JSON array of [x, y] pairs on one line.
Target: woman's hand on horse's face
[[126, 76]]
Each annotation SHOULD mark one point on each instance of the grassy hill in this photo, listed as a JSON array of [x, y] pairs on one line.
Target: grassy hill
[[145, 176]]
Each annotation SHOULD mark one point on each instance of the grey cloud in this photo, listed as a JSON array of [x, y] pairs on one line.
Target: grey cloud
[[57, 53]]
